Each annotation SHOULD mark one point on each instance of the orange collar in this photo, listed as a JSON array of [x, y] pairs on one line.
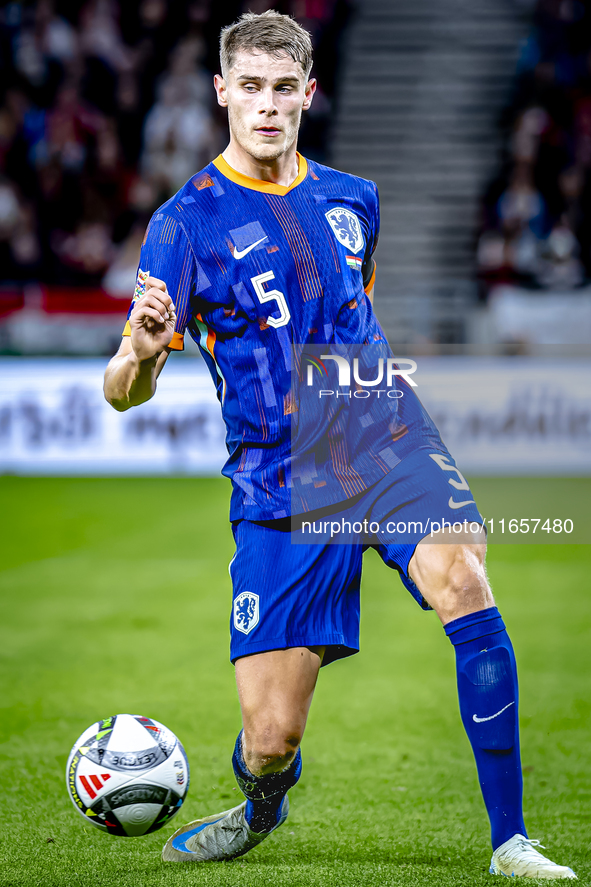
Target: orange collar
[[258, 184]]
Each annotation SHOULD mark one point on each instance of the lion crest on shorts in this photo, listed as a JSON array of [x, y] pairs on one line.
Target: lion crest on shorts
[[246, 612]]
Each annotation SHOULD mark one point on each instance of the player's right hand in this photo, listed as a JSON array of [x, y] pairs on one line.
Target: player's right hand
[[152, 320]]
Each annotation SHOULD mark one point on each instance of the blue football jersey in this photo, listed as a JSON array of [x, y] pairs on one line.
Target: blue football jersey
[[254, 269]]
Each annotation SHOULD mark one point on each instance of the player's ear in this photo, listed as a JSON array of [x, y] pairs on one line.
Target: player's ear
[[309, 91], [221, 90]]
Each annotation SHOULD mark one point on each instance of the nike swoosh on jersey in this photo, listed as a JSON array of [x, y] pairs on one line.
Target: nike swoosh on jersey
[[480, 720], [240, 253], [453, 504]]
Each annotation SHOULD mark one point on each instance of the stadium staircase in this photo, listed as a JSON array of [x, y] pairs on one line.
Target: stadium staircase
[[423, 87]]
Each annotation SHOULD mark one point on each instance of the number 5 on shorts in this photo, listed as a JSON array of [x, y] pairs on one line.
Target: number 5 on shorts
[[443, 462]]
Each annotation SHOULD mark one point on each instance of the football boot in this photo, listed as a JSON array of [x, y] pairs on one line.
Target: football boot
[[518, 857], [215, 838]]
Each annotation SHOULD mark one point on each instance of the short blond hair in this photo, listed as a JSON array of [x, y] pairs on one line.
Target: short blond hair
[[269, 32]]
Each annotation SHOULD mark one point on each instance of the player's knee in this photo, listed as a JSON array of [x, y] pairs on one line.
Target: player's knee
[[452, 578], [465, 574], [270, 747], [466, 588]]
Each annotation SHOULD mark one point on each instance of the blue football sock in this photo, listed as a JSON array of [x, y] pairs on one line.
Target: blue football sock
[[487, 687], [264, 794]]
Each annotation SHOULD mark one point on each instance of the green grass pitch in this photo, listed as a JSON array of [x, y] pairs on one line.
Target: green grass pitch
[[115, 598]]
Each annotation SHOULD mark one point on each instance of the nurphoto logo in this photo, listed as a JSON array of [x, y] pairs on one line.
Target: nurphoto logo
[[386, 373]]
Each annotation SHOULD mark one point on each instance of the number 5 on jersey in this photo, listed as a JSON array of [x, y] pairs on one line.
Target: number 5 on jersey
[[271, 296]]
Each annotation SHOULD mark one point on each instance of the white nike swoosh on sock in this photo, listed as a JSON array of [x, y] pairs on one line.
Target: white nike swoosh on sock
[[480, 720], [238, 254]]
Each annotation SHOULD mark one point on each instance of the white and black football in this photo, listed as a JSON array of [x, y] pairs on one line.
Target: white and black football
[[127, 775]]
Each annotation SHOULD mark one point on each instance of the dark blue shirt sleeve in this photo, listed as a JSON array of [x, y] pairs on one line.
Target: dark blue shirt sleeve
[[167, 254]]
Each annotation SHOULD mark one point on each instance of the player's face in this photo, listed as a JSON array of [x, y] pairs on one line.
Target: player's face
[[265, 97]]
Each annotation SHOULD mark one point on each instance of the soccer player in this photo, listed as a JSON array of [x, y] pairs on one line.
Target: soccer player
[[259, 252]]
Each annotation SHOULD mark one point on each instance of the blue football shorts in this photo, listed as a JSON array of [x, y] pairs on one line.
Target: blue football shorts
[[296, 584]]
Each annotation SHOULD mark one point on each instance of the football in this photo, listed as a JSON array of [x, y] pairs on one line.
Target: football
[[127, 775]]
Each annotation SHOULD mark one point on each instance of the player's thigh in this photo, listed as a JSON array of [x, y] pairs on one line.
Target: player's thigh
[[275, 690], [431, 531]]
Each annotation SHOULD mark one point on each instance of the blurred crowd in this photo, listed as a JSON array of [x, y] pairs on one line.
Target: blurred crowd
[[537, 213], [106, 109]]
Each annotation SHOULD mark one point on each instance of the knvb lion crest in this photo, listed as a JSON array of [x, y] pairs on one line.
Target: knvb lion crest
[[346, 228], [246, 612]]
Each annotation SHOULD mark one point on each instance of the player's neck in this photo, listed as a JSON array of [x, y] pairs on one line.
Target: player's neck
[[282, 171]]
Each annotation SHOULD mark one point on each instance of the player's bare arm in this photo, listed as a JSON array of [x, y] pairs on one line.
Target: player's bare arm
[[130, 377]]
